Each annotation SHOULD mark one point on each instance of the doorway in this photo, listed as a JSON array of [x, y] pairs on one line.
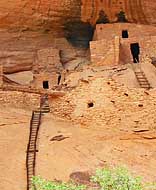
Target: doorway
[[45, 84], [135, 51], [125, 34], [59, 79]]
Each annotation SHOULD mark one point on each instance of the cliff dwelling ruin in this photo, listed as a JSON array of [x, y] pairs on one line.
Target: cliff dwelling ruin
[[77, 89]]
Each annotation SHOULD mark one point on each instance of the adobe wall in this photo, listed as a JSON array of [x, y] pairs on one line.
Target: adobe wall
[[108, 31], [104, 45], [46, 67], [147, 48], [104, 53], [47, 60], [108, 97], [20, 100], [51, 78]]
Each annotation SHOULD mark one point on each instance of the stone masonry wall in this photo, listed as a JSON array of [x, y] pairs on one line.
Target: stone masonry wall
[[46, 67], [102, 48], [147, 48], [47, 60], [113, 105], [20, 100], [104, 52], [108, 31]]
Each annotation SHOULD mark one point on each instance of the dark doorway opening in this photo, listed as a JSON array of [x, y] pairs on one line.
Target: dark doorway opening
[[45, 84], [135, 51], [59, 79], [124, 34]]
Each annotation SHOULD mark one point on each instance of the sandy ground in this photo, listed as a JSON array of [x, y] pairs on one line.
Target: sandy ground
[[14, 128], [86, 149]]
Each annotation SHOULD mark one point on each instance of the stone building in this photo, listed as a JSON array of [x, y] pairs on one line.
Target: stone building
[[47, 68], [123, 43]]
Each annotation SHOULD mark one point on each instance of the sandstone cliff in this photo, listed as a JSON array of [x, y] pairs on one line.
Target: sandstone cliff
[[52, 14], [137, 11], [36, 14]]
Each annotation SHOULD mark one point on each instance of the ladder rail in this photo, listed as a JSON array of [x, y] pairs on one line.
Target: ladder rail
[[30, 165], [140, 76], [35, 124]]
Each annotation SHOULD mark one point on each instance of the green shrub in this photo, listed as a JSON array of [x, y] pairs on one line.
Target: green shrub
[[107, 179], [119, 179], [42, 184]]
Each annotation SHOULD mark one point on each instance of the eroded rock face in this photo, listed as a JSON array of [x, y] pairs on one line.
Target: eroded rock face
[[36, 14], [137, 11], [52, 14]]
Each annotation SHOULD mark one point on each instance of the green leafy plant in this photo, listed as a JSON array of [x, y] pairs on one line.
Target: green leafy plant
[[107, 179], [42, 184], [119, 179]]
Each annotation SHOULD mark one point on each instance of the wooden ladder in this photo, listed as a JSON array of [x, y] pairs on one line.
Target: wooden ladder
[[44, 105], [142, 80], [33, 136], [32, 146]]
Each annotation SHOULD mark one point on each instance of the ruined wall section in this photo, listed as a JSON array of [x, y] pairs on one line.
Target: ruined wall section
[[21, 100], [108, 97]]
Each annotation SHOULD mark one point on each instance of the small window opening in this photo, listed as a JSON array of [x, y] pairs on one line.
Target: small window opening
[[135, 51], [124, 34], [45, 84], [90, 104]]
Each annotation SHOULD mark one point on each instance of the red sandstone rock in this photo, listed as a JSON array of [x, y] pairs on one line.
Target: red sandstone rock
[[49, 14]]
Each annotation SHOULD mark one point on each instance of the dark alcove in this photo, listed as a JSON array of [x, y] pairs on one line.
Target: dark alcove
[[79, 33], [45, 84], [121, 17], [135, 51], [103, 18]]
